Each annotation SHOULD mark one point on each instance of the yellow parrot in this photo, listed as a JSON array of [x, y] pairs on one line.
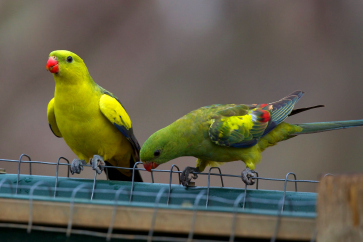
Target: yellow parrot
[[92, 121]]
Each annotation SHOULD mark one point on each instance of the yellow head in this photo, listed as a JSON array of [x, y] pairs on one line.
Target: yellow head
[[66, 66]]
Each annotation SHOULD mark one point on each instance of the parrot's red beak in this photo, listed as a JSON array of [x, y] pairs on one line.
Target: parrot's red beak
[[52, 64], [150, 165]]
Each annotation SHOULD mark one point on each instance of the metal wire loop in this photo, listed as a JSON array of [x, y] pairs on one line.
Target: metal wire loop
[[329, 174], [170, 179], [69, 227], [152, 176], [208, 187], [68, 167], [94, 185], [30, 220], [280, 209], [256, 179], [30, 171], [133, 178], [196, 203], [235, 208], [57, 174], [110, 227], [8, 181], [285, 184], [244, 197], [152, 226], [171, 171]]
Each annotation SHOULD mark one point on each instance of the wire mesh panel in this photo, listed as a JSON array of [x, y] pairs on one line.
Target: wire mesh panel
[[150, 211]]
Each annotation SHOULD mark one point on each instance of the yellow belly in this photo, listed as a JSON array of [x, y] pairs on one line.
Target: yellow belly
[[87, 132]]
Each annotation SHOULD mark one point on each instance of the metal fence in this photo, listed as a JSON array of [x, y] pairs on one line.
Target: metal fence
[[203, 200]]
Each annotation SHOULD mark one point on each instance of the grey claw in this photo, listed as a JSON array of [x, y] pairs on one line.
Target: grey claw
[[184, 177], [97, 164], [77, 166], [247, 175]]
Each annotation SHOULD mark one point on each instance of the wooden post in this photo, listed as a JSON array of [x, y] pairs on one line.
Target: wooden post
[[340, 208]]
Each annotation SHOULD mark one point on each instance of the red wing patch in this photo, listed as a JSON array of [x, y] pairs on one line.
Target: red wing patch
[[265, 116]]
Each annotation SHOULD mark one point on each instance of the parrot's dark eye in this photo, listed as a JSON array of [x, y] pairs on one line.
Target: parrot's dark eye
[[156, 153], [69, 59]]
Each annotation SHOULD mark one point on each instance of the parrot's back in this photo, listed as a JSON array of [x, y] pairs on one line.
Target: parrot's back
[[277, 112]]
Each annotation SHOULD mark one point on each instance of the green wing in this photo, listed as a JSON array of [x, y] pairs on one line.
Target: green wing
[[51, 119], [239, 131], [242, 126]]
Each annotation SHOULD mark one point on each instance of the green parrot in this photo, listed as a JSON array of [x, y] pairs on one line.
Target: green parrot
[[222, 133]]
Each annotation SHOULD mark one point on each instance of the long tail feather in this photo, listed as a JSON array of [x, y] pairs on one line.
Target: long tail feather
[[309, 128], [299, 110]]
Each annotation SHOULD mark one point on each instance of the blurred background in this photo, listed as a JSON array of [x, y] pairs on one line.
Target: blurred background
[[165, 58]]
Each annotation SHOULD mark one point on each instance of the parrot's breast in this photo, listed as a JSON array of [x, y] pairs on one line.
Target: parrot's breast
[[87, 131]]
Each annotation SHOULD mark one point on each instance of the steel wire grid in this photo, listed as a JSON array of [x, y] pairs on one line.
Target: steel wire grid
[[236, 206]]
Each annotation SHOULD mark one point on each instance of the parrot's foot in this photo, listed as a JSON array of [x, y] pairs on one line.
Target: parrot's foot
[[184, 178], [97, 164], [247, 175], [77, 166]]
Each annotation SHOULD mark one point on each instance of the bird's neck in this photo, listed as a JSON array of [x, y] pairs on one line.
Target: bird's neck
[[187, 136], [75, 95]]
